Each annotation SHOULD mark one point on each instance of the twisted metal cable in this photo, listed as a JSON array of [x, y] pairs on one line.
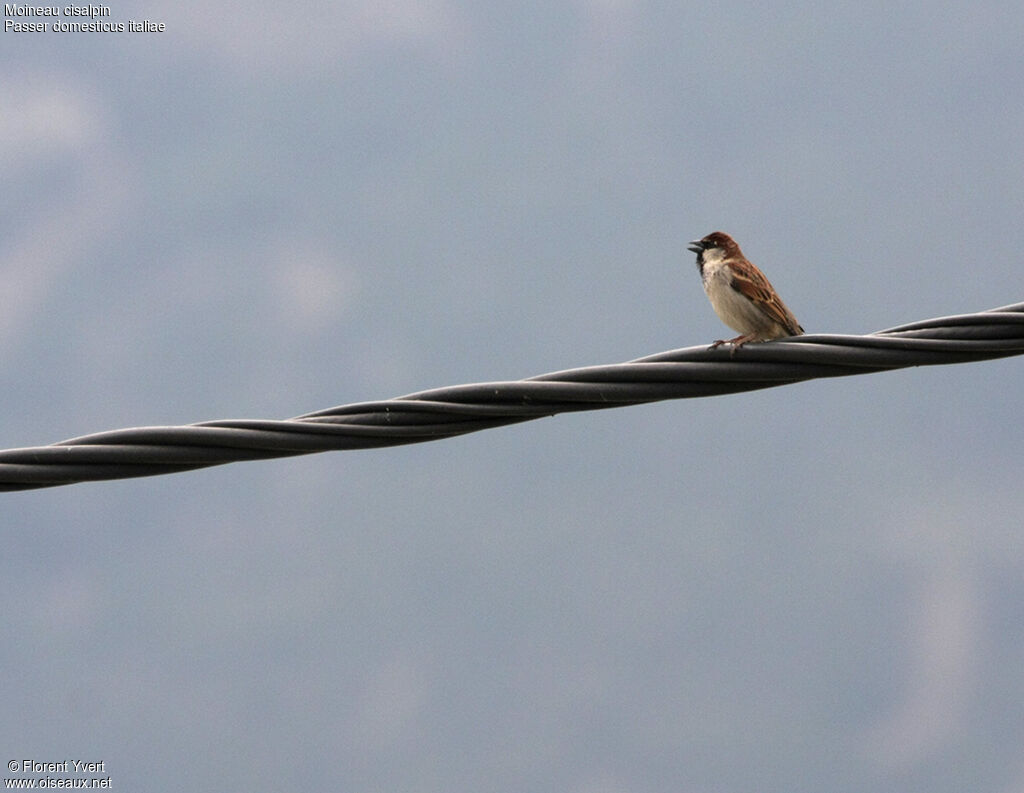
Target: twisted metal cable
[[456, 410]]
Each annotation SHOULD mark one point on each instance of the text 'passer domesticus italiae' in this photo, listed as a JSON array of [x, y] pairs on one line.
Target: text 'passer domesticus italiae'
[[740, 294]]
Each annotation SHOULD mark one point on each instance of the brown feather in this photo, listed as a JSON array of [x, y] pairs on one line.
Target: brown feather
[[755, 286]]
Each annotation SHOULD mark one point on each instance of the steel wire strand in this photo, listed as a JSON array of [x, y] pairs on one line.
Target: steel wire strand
[[456, 410]]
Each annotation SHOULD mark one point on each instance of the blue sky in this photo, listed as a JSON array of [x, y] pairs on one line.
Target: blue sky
[[261, 213]]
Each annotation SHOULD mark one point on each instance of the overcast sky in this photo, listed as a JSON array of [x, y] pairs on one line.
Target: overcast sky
[[267, 211]]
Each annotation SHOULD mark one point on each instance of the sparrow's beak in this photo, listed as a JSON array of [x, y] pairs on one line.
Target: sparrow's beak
[[695, 246]]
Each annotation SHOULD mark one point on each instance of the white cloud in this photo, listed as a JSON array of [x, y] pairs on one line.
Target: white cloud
[[46, 120], [47, 116], [311, 287], [939, 677]]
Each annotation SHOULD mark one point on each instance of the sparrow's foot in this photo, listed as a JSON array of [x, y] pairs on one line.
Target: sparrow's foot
[[736, 343]]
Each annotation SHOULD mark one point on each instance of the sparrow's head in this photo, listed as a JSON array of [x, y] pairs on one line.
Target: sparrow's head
[[715, 246]]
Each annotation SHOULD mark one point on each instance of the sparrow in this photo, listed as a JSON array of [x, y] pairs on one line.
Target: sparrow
[[740, 294]]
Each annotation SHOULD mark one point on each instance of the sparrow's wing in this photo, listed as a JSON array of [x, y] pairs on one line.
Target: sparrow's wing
[[751, 283]]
